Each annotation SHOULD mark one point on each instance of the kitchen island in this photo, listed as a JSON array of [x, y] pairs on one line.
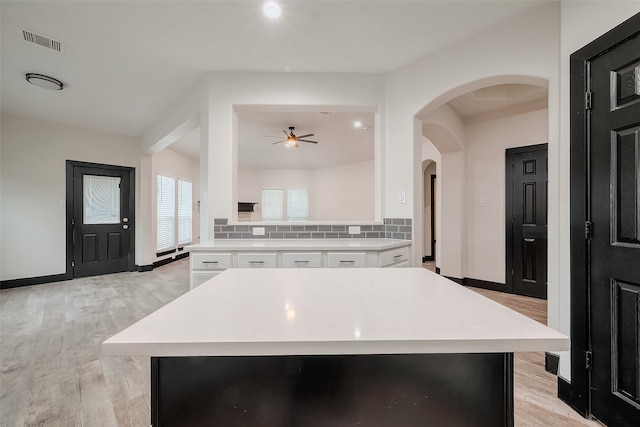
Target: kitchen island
[[332, 347]]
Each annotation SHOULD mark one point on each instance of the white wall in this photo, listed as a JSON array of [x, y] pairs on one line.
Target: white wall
[[495, 56], [335, 194], [169, 163], [33, 189], [452, 226], [344, 193], [602, 16], [293, 89], [487, 138]]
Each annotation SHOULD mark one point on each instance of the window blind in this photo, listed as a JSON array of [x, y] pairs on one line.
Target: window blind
[[297, 203], [272, 204], [185, 212], [101, 199], [166, 213]]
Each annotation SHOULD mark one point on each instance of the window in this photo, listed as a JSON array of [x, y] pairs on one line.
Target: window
[[100, 199], [272, 204], [174, 213], [297, 203]]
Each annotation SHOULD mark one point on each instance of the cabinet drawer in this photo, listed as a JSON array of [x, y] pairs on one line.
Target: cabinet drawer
[[199, 277], [301, 259], [210, 261], [346, 259], [257, 260], [394, 256]]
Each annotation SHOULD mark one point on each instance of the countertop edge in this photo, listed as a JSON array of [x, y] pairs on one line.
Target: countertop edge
[[334, 347]]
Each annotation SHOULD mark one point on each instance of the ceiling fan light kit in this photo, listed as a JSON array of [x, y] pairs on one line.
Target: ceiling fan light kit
[[292, 140]]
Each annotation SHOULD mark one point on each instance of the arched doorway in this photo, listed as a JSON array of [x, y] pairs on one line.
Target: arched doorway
[[471, 131]]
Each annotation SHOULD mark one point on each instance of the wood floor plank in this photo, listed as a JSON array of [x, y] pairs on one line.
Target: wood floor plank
[[52, 372]]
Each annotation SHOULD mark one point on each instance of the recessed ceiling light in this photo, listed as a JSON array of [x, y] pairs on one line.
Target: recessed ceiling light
[[325, 113], [272, 10], [44, 82], [357, 124]]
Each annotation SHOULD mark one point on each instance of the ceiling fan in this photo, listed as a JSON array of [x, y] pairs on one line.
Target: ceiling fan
[[291, 139]]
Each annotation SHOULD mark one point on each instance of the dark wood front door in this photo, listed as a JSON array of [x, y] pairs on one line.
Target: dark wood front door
[[526, 218], [101, 218], [615, 241]]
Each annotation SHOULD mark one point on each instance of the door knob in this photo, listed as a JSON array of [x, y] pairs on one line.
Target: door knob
[[125, 219], [126, 227]]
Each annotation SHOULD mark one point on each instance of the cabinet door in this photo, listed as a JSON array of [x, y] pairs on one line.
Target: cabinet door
[[301, 259], [394, 256], [346, 259], [199, 277], [268, 260], [210, 261]]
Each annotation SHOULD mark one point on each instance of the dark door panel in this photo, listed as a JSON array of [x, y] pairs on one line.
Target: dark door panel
[[615, 244], [527, 220], [101, 219]]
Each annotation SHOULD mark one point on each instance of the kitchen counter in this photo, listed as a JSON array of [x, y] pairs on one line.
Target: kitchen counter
[[331, 311], [367, 346], [298, 244]]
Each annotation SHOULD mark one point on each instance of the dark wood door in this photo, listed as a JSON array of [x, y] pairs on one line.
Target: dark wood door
[[102, 219], [527, 220], [615, 240]]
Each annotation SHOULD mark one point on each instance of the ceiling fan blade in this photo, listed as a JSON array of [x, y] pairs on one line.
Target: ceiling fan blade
[[305, 136], [278, 142], [285, 132], [306, 140]]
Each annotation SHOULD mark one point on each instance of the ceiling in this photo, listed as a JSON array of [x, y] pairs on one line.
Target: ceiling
[[339, 142], [126, 62], [496, 98]]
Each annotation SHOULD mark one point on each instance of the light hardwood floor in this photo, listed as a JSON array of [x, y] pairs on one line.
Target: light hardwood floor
[[52, 372]]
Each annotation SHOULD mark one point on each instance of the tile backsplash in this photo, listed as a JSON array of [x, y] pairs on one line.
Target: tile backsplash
[[392, 228]]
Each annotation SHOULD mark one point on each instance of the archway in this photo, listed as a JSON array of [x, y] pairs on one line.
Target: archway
[[471, 179]]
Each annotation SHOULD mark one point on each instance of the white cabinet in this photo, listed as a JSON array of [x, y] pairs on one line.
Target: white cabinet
[[258, 260], [206, 263], [210, 261], [301, 259], [199, 277], [346, 259], [394, 257]]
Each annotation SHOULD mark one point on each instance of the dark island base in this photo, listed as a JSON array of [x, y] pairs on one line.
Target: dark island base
[[338, 390]]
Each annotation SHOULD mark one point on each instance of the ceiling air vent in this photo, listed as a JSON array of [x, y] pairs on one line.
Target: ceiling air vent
[[44, 41]]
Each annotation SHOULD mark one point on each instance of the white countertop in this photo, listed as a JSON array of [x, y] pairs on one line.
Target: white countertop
[[331, 311], [299, 244]]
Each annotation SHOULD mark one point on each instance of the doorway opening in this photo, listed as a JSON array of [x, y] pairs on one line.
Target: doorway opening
[[468, 133], [429, 209]]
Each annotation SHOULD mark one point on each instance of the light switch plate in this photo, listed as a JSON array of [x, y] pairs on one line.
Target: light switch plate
[[354, 229], [258, 231]]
